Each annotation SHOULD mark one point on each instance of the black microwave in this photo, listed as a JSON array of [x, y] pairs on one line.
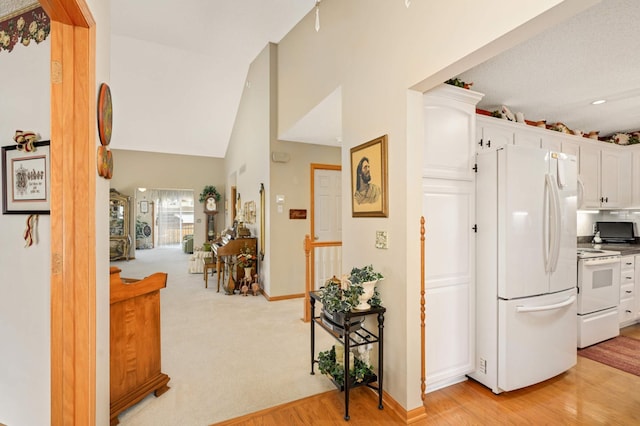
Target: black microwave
[[616, 232]]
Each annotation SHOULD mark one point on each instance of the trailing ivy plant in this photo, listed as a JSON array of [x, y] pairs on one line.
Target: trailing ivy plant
[[335, 299], [327, 365], [375, 300], [364, 274]]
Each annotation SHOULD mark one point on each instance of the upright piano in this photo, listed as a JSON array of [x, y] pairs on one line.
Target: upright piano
[[226, 249]]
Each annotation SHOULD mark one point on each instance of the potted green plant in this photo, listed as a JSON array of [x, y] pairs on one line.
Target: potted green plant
[[209, 191], [366, 279], [337, 298], [361, 372]]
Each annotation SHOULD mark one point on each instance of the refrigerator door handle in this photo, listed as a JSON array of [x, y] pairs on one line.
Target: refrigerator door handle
[[567, 302], [557, 226], [580, 191], [545, 223]]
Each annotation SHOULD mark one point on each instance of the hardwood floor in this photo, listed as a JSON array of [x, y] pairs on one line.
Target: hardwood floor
[[589, 394]]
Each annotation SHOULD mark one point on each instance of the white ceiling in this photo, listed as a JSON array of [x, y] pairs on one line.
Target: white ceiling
[[221, 36], [8, 7], [552, 77], [556, 75]]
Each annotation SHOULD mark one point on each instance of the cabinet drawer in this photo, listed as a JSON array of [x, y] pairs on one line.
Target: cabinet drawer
[[626, 291], [625, 311], [627, 262], [627, 277]]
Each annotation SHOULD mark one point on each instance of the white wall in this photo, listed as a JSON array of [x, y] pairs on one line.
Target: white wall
[[248, 163], [247, 157], [101, 12], [137, 169], [293, 180], [162, 94], [376, 54], [25, 310], [25, 295]]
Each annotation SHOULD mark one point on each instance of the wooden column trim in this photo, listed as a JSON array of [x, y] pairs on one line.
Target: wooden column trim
[[423, 378], [73, 194]]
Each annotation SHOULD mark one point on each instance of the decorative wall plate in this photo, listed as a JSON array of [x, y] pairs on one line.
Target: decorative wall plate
[[104, 162], [105, 114]]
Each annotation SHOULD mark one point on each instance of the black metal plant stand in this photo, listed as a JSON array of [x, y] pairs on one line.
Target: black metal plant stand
[[344, 334]]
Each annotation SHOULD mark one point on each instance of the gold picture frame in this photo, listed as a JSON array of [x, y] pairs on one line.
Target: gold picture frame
[[369, 197]]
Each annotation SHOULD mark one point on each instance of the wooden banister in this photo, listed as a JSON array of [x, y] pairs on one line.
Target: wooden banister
[[309, 254]]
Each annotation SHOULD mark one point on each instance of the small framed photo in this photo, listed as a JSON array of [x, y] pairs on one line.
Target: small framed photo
[[26, 178], [144, 207], [369, 196]]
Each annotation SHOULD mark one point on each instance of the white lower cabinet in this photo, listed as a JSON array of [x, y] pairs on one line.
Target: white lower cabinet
[[448, 208], [627, 309]]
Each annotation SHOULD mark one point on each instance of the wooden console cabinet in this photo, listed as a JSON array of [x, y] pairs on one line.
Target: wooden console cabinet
[[135, 340]]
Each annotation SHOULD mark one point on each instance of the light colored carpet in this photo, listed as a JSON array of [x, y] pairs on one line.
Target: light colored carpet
[[226, 355]]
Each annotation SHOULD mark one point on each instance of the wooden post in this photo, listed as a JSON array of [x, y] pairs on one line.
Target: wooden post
[[307, 277], [423, 380]]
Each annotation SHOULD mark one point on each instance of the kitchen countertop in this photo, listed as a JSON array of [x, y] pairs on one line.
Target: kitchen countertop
[[624, 249]]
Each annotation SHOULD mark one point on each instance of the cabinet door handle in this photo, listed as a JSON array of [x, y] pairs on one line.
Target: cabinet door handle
[[489, 144], [628, 311], [628, 278], [480, 143], [628, 291]]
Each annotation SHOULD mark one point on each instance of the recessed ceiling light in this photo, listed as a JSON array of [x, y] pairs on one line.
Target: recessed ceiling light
[[598, 102]]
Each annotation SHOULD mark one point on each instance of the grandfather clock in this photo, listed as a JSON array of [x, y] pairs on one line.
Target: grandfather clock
[[210, 209]]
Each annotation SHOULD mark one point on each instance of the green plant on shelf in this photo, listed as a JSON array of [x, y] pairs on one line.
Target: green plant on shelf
[[336, 299], [364, 274], [327, 365]]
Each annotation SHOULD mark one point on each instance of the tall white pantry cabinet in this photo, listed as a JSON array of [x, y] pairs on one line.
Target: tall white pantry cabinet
[[448, 205]]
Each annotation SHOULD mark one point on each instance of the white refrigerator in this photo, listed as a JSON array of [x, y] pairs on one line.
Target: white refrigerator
[[526, 266]]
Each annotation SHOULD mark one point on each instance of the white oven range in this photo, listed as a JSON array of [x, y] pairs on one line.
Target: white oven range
[[598, 295]]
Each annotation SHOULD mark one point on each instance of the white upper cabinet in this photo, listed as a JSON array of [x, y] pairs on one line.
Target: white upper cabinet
[[609, 174], [606, 176], [553, 143], [571, 147], [492, 133], [590, 176], [616, 177], [523, 137], [450, 128], [635, 181]]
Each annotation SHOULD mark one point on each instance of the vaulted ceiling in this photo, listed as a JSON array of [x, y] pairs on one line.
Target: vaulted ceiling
[[554, 76]]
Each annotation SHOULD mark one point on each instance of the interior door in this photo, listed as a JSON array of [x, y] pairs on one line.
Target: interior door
[[327, 205]]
